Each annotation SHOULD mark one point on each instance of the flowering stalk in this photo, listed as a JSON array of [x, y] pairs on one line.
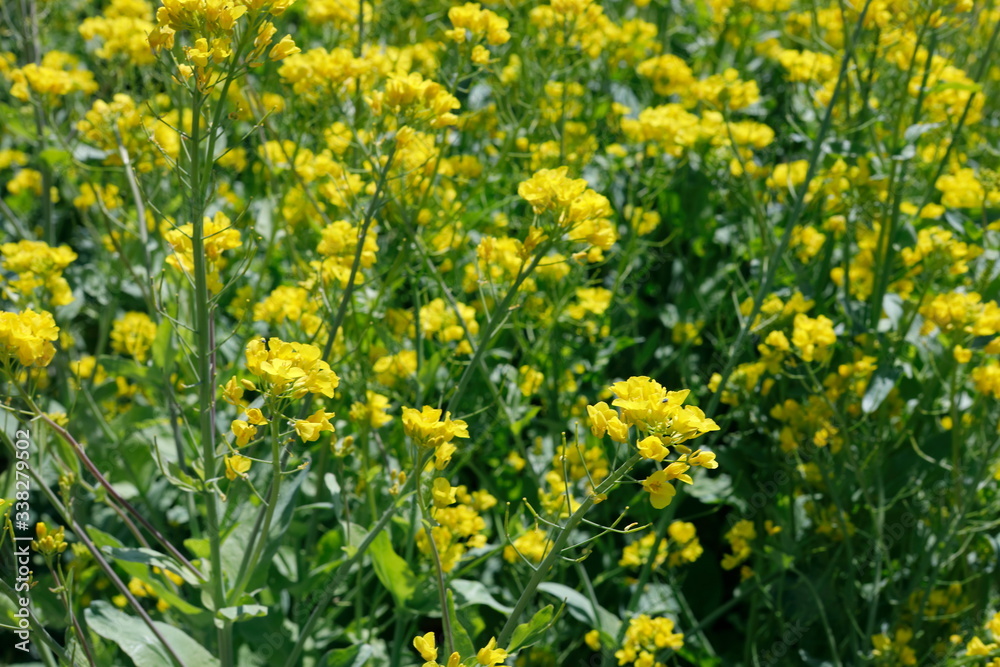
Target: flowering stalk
[[491, 327], [205, 363], [258, 539], [538, 576]]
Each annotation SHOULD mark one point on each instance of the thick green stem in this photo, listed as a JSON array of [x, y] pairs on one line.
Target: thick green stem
[[206, 375]]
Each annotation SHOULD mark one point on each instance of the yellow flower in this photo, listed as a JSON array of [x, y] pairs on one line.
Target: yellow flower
[[427, 430], [490, 655], [133, 334], [243, 431], [27, 337], [529, 380], [237, 466], [426, 646], [661, 492], [373, 411], [976, 646], [533, 545], [651, 447], [443, 493], [286, 47], [310, 429]]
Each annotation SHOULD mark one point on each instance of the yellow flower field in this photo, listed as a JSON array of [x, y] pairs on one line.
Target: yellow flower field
[[344, 333]]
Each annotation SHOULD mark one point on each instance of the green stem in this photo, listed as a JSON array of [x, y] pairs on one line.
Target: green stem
[[249, 565], [206, 376], [491, 328], [557, 548]]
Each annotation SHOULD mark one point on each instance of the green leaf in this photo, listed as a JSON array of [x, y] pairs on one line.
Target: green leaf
[[712, 489], [109, 544], [583, 609], [153, 558], [394, 572], [463, 643], [136, 639], [242, 612], [528, 633], [878, 389], [475, 592], [56, 157], [354, 656]]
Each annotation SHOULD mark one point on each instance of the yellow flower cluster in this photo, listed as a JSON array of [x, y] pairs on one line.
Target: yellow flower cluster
[[428, 431], [662, 422], [318, 73], [219, 237], [49, 544], [149, 139], [38, 265], [289, 304], [439, 321], [895, 650], [739, 537], [578, 211], [122, 30], [473, 23], [572, 466], [460, 528], [488, 656], [961, 312], [532, 545], [681, 546], [338, 247], [646, 638], [133, 334], [26, 337], [813, 337], [58, 75], [289, 369], [415, 101], [372, 412]]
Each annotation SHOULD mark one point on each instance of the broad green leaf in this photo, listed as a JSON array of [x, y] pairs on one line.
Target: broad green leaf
[[394, 572], [56, 157], [136, 639], [141, 571], [528, 633]]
